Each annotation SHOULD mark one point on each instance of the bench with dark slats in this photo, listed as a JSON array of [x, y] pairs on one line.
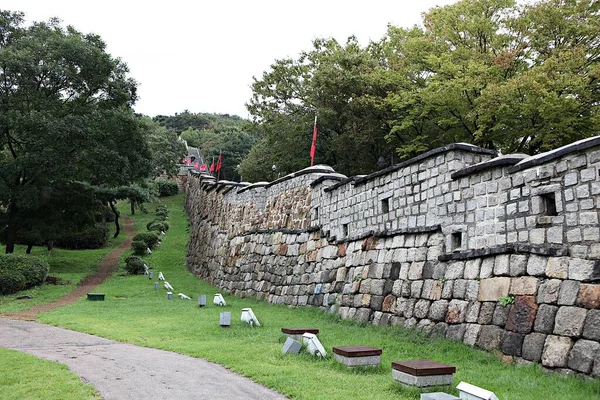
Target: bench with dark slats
[[422, 373], [357, 356]]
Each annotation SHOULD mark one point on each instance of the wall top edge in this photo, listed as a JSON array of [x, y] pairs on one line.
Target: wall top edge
[[509, 159], [551, 155], [434, 152]]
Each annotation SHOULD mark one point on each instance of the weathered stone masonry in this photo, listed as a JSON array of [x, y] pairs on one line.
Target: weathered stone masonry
[[437, 242]]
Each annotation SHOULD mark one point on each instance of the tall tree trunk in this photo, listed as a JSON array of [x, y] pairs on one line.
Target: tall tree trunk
[[132, 207], [50, 245], [11, 228], [114, 210], [29, 247]]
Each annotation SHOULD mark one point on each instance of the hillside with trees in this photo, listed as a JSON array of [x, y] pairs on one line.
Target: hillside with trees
[[501, 75], [214, 134]]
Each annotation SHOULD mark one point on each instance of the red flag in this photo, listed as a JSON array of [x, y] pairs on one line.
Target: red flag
[[196, 165], [187, 161], [219, 166], [313, 147], [219, 162], [203, 168], [212, 166]]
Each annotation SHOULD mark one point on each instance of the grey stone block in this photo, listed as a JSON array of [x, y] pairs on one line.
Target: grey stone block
[[422, 381], [568, 293], [500, 315], [456, 332], [438, 396], [556, 351], [569, 321], [437, 311], [583, 354], [512, 343], [544, 321], [486, 312], [490, 337], [291, 346], [518, 264], [591, 326], [439, 330], [536, 265], [350, 362], [471, 334], [548, 291], [533, 346]]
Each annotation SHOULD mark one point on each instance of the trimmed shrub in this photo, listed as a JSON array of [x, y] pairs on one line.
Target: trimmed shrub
[[166, 187], [158, 226], [150, 238], [139, 247], [95, 237], [11, 282], [162, 213], [134, 265], [162, 207], [21, 272]]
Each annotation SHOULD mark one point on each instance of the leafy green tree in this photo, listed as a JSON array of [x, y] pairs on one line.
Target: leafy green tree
[[65, 116], [501, 75]]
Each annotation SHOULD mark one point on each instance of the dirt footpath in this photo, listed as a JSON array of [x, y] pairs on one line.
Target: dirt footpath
[[122, 371]]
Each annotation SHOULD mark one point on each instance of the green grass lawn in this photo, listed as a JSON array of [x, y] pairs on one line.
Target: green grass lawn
[[45, 379], [136, 313], [71, 266]]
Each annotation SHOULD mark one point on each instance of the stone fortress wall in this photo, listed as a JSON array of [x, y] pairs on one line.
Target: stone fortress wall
[[497, 252]]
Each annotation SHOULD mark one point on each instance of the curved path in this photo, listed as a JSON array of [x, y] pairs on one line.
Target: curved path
[[118, 370]]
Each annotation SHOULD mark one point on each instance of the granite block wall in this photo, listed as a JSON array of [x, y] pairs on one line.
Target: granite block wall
[[499, 252]]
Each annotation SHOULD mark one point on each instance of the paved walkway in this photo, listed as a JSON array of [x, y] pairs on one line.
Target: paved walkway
[[123, 371]]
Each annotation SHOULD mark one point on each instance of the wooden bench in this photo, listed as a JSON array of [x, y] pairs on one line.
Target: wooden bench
[[422, 373], [358, 356], [296, 333]]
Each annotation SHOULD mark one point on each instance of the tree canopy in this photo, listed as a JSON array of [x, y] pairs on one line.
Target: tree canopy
[[501, 75], [214, 134], [65, 118]]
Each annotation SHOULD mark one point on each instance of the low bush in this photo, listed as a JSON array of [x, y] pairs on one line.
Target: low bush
[[150, 238], [158, 226], [162, 207], [162, 213], [11, 282], [21, 272], [139, 247], [134, 265], [95, 237], [166, 187]]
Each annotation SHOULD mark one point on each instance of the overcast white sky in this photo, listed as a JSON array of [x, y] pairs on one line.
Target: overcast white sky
[[202, 55]]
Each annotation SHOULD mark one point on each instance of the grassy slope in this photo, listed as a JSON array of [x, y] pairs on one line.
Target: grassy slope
[[135, 313], [71, 266], [45, 379]]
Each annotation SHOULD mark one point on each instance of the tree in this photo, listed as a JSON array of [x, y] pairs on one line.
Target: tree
[[518, 78], [65, 116]]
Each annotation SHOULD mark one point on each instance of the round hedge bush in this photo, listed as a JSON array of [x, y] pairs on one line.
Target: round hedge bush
[[139, 247], [150, 238], [167, 187], [21, 272], [158, 226], [134, 265]]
